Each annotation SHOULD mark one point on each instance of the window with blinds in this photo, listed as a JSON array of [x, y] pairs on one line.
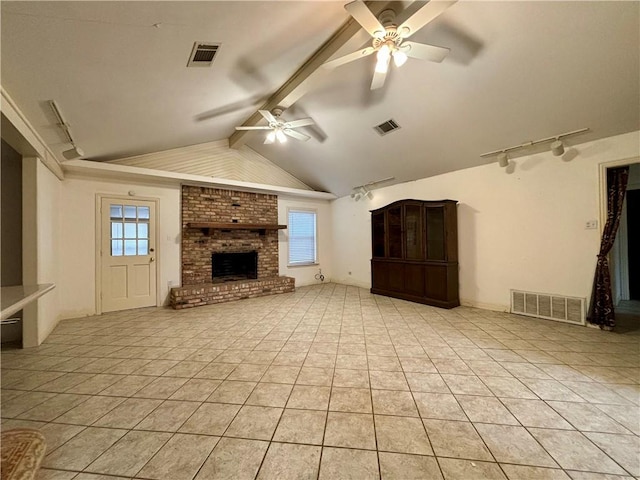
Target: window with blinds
[[302, 237]]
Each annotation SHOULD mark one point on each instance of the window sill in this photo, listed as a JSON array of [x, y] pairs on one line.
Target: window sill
[[296, 265]]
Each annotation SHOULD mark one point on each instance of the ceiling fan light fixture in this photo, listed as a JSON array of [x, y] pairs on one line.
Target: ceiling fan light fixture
[[382, 66], [282, 138], [399, 58], [383, 53]]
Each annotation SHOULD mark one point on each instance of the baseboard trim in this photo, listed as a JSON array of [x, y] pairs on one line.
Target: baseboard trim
[[485, 306]]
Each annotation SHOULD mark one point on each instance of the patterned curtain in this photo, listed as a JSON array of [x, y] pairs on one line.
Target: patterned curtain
[[601, 310]]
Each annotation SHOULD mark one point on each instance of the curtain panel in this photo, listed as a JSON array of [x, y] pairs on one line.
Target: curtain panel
[[601, 311]]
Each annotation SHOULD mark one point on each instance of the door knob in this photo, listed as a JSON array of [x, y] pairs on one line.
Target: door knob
[[152, 259]]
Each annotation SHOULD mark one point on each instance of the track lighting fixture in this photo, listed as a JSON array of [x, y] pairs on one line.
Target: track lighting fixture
[[503, 159], [557, 147], [360, 192], [74, 152], [364, 191]]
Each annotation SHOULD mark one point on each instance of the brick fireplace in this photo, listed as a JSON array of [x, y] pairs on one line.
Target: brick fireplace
[[217, 221]]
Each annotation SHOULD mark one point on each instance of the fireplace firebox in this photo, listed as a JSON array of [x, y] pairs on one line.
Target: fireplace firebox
[[229, 267]]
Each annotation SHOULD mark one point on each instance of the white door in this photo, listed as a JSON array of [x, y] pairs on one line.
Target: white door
[[128, 257]]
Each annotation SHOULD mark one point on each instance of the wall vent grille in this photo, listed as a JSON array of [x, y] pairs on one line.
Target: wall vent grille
[[549, 307], [386, 127], [203, 54]]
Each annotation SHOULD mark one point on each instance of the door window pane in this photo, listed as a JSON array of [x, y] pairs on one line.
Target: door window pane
[[143, 230], [115, 211], [129, 247], [129, 230], [116, 230], [143, 247], [143, 212], [116, 248], [130, 212]]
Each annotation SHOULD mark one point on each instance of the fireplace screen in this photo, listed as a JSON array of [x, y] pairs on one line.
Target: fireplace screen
[[227, 267]]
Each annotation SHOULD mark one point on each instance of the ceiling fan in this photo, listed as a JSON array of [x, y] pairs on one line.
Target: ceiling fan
[[280, 128], [389, 38]]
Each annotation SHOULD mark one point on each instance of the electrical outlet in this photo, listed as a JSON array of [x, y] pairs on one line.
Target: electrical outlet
[[591, 225]]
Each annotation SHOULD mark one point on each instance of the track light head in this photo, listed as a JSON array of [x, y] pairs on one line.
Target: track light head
[[72, 153], [557, 148], [503, 159]]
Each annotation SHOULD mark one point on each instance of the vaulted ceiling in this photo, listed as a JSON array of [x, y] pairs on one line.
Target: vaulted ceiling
[[517, 71]]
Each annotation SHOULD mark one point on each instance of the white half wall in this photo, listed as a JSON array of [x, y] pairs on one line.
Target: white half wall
[[523, 227], [48, 235], [40, 248], [305, 275], [77, 212]]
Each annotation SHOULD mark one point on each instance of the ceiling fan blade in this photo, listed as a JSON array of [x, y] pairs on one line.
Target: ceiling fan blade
[[258, 127], [303, 122], [349, 57], [424, 52], [268, 116], [423, 16], [269, 140], [296, 135], [361, 13], [379, 77]]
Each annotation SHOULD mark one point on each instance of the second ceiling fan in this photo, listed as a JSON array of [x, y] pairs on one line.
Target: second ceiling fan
[[389, 38], [280, 128]]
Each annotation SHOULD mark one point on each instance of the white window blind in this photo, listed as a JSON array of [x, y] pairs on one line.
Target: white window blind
[[302, 237]]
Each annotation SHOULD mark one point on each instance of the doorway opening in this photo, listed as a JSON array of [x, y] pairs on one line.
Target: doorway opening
[[625, 258]]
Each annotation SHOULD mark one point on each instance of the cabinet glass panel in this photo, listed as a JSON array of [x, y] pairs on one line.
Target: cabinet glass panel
[[394, 220], [378, 234], [413, 232], [435, 233]]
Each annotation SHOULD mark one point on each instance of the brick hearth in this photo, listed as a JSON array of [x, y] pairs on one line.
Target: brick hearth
[[201, 205], [197, 295]]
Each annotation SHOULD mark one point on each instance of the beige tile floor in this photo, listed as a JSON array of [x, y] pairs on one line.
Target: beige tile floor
[[329, 382]]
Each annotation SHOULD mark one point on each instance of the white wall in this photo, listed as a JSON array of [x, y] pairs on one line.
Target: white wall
[[77, 213], [305, 275], [521, 228]]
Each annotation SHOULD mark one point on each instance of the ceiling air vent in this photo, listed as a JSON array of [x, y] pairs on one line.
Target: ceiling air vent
[[202, 54], [386, 127]]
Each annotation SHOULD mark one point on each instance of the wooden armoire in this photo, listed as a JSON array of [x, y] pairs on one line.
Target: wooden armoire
[[415, 252]]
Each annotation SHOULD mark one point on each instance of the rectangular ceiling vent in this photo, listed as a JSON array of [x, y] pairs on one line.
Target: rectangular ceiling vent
[[203, 54], [386, 127], [548, 306]]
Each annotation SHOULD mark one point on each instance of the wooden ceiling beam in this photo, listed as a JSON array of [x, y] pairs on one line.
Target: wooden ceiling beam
[[299, 83]]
